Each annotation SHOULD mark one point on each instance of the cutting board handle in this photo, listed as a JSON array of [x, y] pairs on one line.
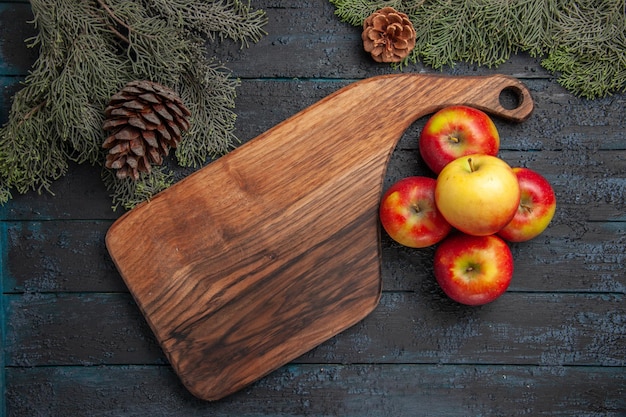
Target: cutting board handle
[[488, 94], [407, 97]]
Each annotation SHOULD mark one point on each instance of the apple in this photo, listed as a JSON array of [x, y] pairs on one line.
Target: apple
[[457, 131], [477, 194], [536, 208], [473, 270], [409, 215]]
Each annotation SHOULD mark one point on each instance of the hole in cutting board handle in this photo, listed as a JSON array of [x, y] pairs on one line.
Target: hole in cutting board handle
[[511, 98]]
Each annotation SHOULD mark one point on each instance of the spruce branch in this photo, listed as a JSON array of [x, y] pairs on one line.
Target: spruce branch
[[127, 193], [583, 42], [119, 21], [89, 49], [223, 19], [213, 117]]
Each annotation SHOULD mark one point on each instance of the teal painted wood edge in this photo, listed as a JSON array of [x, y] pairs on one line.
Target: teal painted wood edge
[[7, 84], [3, 265]]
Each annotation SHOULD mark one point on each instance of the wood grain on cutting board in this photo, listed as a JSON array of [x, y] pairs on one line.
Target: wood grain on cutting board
[[274, 248]]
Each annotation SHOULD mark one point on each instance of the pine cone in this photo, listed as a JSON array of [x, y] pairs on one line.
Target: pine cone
[[144, 120], [388, 35]]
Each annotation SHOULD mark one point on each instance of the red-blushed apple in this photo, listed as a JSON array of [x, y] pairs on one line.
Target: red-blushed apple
[[536, 208], [409, 215], [477, 194], [457, 131], [473, 270]]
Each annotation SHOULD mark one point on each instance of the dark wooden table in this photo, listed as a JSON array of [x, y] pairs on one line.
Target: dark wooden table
[[75, 343]]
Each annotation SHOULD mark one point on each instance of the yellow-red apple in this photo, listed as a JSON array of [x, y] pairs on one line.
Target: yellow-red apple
[[457, 131], [409, 215], [477, 194], [473, 270], [536, 208]]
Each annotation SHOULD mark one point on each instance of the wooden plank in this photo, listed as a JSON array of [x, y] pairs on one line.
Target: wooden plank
[[312, 29], [325, 390], [560, 122], [407, 327], [79, 195], [306, 40], [63, 256], [86, 329], [586, 257], [589, 186], [41, 255], [263, 104], [15, 57], [57, 256]]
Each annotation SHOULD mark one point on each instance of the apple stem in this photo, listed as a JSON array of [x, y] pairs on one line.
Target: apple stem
[[471, 164], [527, 208], [453, 139]]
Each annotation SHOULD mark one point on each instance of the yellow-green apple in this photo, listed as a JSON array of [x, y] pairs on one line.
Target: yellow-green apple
[[536, 208], [473, 270], [457, 131], [477, 194], [409, 215]]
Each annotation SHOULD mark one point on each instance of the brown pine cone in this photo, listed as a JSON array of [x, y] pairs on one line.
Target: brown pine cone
[[144, 120], [388, 35]]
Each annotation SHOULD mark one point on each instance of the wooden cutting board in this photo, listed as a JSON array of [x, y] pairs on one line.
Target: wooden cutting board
[[274, 248]]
